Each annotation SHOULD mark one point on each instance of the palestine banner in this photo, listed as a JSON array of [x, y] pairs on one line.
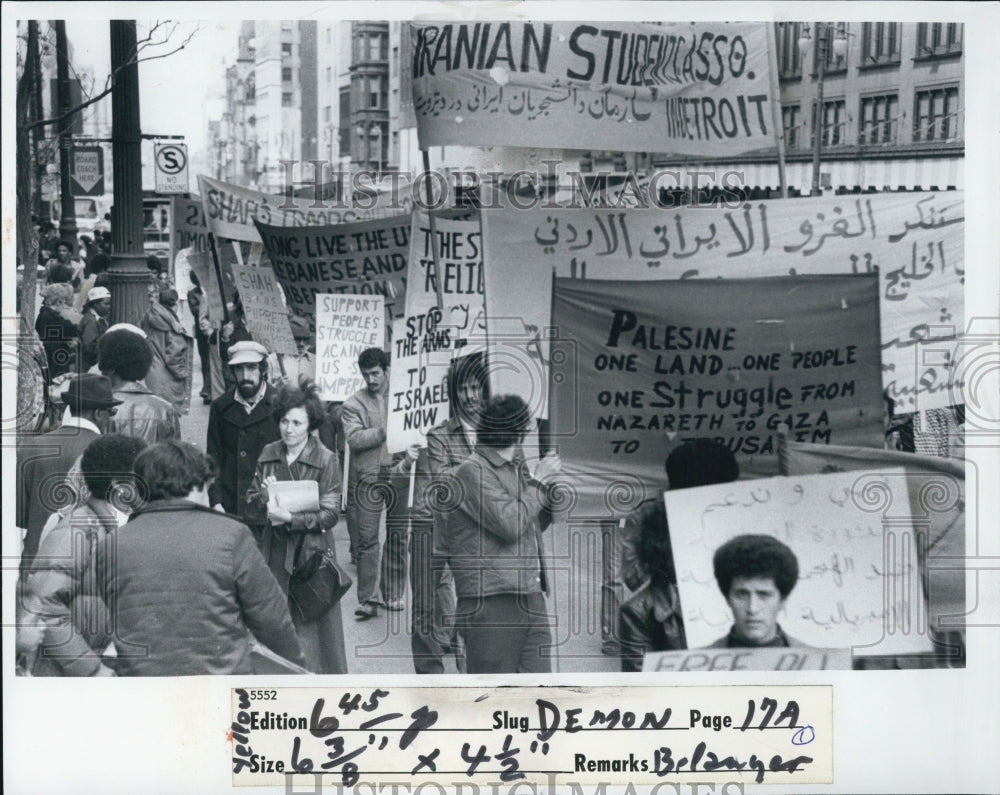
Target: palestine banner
[[353, 259], [915, 241], [640, 367], [698, 88]]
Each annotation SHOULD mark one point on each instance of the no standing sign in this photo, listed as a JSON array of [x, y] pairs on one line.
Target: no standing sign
[[171, 168]]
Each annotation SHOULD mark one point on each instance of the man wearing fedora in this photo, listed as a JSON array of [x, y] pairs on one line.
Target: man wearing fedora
[[43, 461], [93, 324], [240, 423]]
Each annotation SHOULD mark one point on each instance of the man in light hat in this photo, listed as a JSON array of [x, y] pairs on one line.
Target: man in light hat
[[240, 423], [93, 324], [43, 461]]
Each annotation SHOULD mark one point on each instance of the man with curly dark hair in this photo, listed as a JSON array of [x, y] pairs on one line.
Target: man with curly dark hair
[[125, 357], [755, 574]]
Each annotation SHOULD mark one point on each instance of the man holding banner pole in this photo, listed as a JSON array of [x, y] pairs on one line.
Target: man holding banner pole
[[370, 491]]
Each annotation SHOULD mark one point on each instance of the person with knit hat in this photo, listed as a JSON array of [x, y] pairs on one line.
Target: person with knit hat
[[93, 324]]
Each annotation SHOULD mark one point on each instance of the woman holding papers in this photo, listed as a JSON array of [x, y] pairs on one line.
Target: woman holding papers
[[297, 486]]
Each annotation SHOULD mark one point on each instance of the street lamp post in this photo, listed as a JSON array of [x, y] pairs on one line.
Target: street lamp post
[[67, 203], [823, 45]]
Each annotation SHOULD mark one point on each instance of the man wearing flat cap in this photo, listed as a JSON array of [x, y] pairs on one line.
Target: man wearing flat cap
[[93, 324], [240, 423], [43, 461]]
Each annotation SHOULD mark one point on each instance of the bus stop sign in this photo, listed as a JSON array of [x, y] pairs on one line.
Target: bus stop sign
[[87, 171]]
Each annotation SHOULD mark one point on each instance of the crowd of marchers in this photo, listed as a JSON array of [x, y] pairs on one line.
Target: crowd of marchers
[[164, 559]]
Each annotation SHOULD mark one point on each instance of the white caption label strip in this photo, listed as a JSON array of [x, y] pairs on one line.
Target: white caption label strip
[[327, 736]]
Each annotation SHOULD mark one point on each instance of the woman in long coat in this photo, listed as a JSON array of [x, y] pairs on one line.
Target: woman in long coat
[[299, 455], [170, 374]]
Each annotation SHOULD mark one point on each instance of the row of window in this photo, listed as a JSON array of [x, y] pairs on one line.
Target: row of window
[[879, 41], [936, 117]]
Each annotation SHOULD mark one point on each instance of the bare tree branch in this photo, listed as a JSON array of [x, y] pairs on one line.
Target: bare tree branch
[[144, 43]]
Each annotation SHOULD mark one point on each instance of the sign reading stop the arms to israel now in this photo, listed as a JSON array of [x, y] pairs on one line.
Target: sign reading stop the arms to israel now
[[700, 88], [232, 210], [442, 738], [638, 367], [345, 326], [367, 258], [418, 395], [859, 584], [914, 240], [266, 315]]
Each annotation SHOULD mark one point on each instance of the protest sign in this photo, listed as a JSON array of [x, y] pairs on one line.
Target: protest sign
[[231, 211], [798, 658], [359, 259], [266, 316], [460, 258], [640, 367], [937, 504], [188, 227], [345, 326], [418, 394], [914, 240], [858, 586], [203, 267], [689, 88]]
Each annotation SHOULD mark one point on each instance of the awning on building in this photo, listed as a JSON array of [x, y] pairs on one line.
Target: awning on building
[[909, 174]]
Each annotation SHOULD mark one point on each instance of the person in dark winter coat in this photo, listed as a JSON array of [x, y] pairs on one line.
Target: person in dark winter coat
[[187, 585], [59, 588], [240, 423], [289, 538]]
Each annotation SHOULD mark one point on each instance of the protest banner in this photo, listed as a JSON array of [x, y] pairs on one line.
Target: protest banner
[[640, 367], [688, 88], [359, 259], [202, 265], [418, 395], [231, 211], [266, 316], [858, 586], [914, 240], [798, 658], [937, 504], [345, 326], [460, 258], [189, 229]]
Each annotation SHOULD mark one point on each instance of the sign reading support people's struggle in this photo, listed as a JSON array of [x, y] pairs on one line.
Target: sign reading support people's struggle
[[639, 367], [345, 326], [700, 88], [357, 259]]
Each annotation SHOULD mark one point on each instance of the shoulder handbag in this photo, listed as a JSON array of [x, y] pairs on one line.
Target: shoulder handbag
[[317, 583]]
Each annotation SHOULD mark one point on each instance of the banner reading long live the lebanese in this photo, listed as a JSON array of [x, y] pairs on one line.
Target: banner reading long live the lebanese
[[368, 258], [700, 88], [231, 210], [914, 240], [639, 367]]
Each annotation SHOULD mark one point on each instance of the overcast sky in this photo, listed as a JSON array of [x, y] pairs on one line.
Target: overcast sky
[[178, 94]]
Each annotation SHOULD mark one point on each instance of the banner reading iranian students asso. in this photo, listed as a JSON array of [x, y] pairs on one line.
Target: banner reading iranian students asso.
[[418, 395], [639, 367], [914, 240], [231, 211], [699, 88], [266, 315], [368, 258], [346, 325], [460, 254]]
